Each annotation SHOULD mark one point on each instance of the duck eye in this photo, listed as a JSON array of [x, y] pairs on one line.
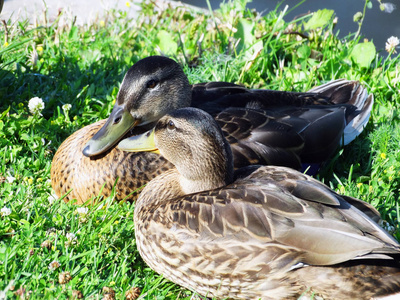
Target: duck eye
[[151, 84], [171, 125], [117, 119]]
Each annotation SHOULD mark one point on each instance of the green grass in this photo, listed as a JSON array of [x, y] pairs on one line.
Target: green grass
[[84, 66]]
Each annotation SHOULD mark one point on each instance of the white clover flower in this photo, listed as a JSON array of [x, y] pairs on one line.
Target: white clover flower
[[10, 179], [392, 43], [71, 239], [71, 236], [36, 106], [5, 211], [82, 211], [54, 265], [387, 7], [66, 107]]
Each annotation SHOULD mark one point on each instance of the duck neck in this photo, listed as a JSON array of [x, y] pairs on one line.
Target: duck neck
[[206, 177], [190, 186], [201, 166], [173, 184]]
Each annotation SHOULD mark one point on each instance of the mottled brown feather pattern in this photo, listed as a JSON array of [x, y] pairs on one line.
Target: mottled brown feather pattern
[[85, 177], [241, 241], [273, 233]]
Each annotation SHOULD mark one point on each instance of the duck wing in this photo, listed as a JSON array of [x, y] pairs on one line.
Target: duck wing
[[217, 96], [301, 219], [214, 97], [287, 136], [286, 128], [258, 138]]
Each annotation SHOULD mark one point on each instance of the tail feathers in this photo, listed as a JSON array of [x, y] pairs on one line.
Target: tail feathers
[[347, 92], [357, 124], [356, 279], [331, 89]]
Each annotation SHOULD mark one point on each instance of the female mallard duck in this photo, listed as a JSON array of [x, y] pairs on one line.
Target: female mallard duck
[[263, 127], [79, 177], [261, 232]]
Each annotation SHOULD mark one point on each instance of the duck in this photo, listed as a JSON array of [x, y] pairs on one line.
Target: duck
[[300, 130], [257, 232]]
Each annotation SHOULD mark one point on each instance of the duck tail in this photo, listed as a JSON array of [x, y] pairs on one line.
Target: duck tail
[[355, 279], [355, 98], [360, 120]]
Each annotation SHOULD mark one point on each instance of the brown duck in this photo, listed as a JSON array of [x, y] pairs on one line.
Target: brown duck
[[261, 232], [263, 126]]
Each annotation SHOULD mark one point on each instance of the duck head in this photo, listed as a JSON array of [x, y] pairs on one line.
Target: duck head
[[150, 89], [191, 140]]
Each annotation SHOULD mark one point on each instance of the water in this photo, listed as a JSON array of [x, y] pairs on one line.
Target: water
[[378, 26]]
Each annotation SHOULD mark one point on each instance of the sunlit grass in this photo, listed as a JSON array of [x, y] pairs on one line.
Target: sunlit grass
[[83, 66]]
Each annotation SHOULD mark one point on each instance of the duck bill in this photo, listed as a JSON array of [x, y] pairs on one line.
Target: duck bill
[[117, 125], [139, 143]]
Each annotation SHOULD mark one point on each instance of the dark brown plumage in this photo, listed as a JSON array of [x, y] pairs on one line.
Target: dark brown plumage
[[269, 233]]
